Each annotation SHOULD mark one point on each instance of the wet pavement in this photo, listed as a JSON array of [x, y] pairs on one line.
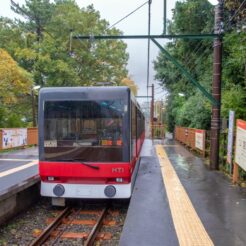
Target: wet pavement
[[220, 205], [148, 221], [14, 168]]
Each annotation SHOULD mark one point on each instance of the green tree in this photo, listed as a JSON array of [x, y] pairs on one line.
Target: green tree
[[37, 12], [15, 86], [56, 59], [191, 16]]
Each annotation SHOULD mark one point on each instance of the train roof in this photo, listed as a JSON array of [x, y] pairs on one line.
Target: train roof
[[92, 92], [83, 89]]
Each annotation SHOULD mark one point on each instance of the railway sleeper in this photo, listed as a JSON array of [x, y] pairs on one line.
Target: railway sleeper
[[74, 235], [83, 222]]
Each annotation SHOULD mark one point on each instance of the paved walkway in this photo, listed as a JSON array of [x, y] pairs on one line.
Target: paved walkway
[[16, 167], [177, 200]]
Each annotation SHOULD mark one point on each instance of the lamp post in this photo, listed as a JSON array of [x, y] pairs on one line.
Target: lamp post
[[34, 88]]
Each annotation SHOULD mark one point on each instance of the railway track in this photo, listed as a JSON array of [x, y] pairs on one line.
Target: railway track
[[57, 229]]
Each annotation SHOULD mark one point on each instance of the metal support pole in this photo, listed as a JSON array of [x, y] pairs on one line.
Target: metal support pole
[[164, 17], [148, 55], [152, 112], [33, 110], [216, 91]]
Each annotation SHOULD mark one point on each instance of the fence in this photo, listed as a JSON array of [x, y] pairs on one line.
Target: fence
[[191, 137], [158, 131], [31, 137], [199, 140]]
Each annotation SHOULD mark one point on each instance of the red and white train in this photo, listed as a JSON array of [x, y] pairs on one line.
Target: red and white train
[[89, 142]]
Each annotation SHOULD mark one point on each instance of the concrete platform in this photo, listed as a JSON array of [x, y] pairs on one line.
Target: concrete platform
[[149, 220], [220, 207], [14, 169], [19, 181]]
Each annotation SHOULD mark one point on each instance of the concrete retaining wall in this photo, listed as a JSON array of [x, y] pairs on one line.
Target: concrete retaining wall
[[18, 199]]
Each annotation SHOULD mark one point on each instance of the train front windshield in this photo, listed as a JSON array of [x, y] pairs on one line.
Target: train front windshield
[[84, 130]]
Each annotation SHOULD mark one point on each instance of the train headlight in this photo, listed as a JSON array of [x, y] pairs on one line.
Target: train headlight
[[59, 190], [110, 191]]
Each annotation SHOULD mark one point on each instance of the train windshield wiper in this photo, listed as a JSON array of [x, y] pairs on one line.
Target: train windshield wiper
[[81, 162]]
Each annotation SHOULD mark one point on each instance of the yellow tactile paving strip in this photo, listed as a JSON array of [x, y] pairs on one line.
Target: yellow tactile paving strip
[[189, 228]]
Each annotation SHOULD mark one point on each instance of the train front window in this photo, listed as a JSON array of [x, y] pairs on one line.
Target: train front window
[[84, 130]]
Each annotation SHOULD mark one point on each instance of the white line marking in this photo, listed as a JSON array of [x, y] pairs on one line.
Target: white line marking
[[13, 170]]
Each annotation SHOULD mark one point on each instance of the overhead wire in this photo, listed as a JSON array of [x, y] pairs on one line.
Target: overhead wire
[[235, 14], [132, 12], [205, 52]]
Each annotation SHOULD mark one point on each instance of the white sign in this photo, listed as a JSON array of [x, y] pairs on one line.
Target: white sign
[[14, 137], [230, 136], [199, 139], [240, 155], [50, 143]]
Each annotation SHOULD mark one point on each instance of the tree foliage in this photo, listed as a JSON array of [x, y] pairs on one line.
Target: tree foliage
[[130, 83], [14, 80], [43, 46], [55, 58], [193, 110], [15, 87]]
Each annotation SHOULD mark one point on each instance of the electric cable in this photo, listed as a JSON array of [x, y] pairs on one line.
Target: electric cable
[[117, 22], [235, 14]]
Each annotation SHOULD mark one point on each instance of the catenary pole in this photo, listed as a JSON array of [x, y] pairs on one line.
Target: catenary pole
[[148, 55], [164, 16], [152, 111], [216, 89]]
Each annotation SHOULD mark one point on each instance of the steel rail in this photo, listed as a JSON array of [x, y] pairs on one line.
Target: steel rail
[[92, 236], [50, 228]]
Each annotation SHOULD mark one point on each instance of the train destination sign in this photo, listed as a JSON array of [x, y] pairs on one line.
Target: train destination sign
[[240, 156]]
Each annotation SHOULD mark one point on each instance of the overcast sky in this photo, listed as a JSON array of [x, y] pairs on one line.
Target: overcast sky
[[114, 10]]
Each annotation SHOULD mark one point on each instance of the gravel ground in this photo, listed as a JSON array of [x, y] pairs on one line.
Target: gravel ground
[[20, 231]]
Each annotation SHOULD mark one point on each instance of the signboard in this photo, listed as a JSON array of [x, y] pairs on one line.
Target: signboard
[[199, 139], [14, 137], [230, 136], [240, 155]]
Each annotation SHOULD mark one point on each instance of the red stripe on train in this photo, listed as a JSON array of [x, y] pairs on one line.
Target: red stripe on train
[[76, 169]]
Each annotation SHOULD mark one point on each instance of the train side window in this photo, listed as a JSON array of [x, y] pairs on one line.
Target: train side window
[[133, 129]]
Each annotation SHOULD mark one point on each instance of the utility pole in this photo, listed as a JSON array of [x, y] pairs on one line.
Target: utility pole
[[152, 112], [216, 90], [33, 110], [164, 16], [148, 54]]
